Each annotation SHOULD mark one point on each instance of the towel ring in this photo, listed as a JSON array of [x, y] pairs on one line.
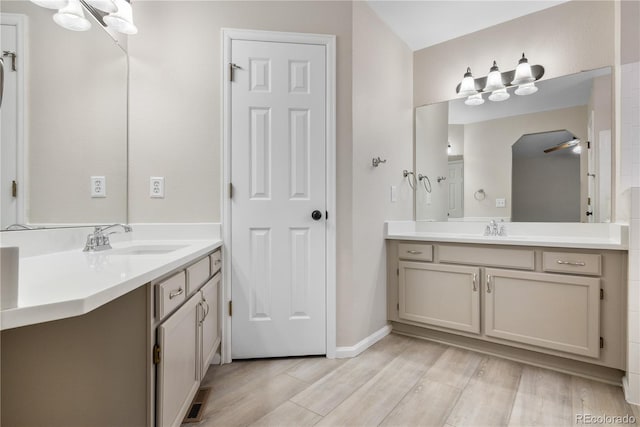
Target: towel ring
[[422, 179], [411, 179], [479, 195]]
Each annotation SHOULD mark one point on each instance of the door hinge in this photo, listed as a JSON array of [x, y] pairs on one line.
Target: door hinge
[[588, 145], [601, 342], [232, 68], [14, 189], [398, 306], [230, 190], [13, 58], [601, 293], [397, 271], [230, 308], [156, 354]]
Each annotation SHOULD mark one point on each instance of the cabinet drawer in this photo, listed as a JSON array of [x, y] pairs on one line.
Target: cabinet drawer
[[170, 293], [491, 257], [572, 262], [415, 251], [216, 261], [197, 274]]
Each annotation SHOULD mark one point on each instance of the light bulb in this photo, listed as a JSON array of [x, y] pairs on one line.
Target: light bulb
[[468, 84], [494, 79], [449, 149], [499, 95], [526, 89], [523, 72], [122, 20], [577, 149], [72, 17], [474, 100]]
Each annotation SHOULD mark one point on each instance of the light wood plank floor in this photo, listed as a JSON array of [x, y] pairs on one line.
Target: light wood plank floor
[[402, 381]]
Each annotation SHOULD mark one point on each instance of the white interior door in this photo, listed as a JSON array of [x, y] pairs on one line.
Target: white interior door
[[278, 141], [9, 131], [456, 187]]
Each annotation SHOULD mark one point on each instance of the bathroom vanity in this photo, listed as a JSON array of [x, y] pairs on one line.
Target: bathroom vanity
[[121, 337], [552, 302]]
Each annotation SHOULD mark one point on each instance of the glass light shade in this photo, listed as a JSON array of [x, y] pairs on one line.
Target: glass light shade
[[122, 20], [494, 79], [499, 95], [51, 4], [72, 17], [474, 100], [523, 72], [468, 84], [526, 89], [104, 5], [577, 149]]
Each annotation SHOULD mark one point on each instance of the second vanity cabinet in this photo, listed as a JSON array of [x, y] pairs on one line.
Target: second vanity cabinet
[[186, 339], [566, 303]]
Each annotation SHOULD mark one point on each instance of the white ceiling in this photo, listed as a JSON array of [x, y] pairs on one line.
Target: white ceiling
[[423, 23]]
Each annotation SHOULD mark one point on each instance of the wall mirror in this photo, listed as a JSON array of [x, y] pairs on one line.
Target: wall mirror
[[545, 157], [66, 125]]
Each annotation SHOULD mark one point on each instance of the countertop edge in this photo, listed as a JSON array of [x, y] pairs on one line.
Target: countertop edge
[[426, 237], [26, 316]]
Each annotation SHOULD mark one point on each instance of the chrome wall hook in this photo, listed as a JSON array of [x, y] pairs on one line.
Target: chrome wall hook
[[376, 161], [440, 178]]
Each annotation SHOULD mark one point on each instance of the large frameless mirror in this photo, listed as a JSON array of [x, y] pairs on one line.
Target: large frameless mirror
[[546, 157]]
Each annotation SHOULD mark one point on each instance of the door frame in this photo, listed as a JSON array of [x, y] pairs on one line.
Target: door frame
[[20, 22], [329, 41]]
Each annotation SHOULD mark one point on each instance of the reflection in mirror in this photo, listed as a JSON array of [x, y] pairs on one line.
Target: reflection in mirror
[[493, 156], [64, 120]]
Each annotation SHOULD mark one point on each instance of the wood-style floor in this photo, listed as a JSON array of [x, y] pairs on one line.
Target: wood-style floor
[[402, 381]]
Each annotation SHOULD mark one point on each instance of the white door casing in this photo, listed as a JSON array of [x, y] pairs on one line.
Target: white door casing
[[12, 128], [279, 141]]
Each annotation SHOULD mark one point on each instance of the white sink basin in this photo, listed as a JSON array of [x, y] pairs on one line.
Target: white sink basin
[[147, 250]]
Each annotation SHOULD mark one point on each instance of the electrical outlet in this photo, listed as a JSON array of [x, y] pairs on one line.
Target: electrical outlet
[[98, 186], [156, 187], [501, 203]]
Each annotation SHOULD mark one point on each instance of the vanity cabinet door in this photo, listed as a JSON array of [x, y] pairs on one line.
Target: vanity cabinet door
[[553, 311], [209, 324], [177, 370], [440, 295]]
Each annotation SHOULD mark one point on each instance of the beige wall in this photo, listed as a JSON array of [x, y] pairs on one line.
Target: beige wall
[[382, 126], [566, 39], [175, 127], [432, 135], [75, 121], [487, 154], [630, 31]]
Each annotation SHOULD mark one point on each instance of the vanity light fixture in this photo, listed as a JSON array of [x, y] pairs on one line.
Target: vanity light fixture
[[498, 82], [114, 14], [72, 17]]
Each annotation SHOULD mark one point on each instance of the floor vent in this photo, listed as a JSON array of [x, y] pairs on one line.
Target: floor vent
[[196, 410]]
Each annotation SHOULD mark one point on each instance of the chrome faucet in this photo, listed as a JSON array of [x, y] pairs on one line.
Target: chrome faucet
[[493, 230], [99, 240]]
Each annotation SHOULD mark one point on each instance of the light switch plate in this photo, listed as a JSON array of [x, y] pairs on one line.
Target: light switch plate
[[394, 193], [156, 187], [98, 186], [501, 203], [428, 198]]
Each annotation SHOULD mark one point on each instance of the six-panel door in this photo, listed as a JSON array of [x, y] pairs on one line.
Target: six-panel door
[[548, 310], [441, 295]]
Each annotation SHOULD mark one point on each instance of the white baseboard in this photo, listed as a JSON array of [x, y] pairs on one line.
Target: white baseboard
[[354, 350]]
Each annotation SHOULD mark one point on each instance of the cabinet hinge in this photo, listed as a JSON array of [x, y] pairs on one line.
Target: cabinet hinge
[[601, 293], [601, 342], [230, 190], [156, 354], [230, 308]]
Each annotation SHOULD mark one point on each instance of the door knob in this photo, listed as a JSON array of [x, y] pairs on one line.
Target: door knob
[[316, 215]]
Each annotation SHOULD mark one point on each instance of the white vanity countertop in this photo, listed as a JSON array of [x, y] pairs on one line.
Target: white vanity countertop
[[563, 235], [71, 283]]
